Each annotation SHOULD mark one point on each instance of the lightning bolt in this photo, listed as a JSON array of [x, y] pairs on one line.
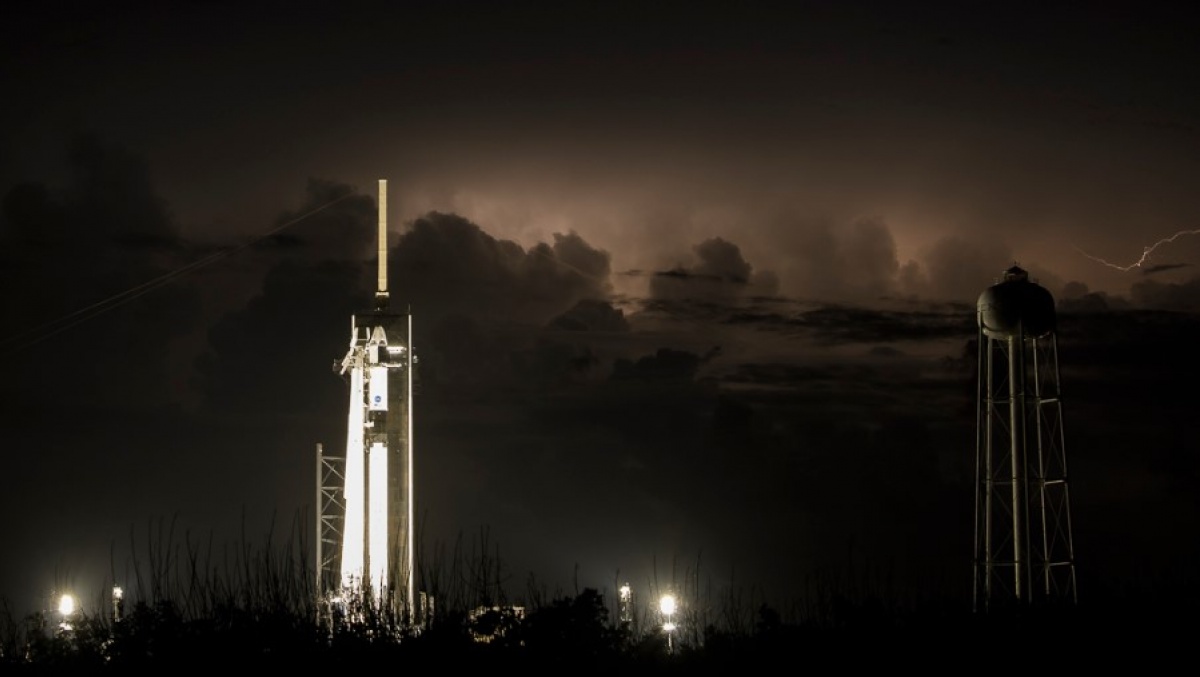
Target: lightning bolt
[[1146, 251]]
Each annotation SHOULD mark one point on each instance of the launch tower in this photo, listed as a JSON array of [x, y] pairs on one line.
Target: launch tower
[[1023, 548], [375, 558]]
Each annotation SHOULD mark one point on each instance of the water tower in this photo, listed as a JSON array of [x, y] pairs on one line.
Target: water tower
[[1024, 553]]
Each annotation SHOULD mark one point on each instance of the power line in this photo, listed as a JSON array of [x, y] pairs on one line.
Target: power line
[[75, 318]]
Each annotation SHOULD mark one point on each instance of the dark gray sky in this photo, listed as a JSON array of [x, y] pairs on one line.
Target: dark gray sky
[[691, 287]]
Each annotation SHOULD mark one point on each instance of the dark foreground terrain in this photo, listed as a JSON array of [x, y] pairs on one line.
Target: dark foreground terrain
[[577, 635]]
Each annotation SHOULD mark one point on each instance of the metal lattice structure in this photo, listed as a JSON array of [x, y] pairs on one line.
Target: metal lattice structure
[[331, 512], [1024, 553]]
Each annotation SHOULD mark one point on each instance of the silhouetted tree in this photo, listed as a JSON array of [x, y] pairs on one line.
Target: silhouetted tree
[[573, 632]]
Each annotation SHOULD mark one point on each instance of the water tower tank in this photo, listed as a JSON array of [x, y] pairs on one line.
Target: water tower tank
[[1015, 306]]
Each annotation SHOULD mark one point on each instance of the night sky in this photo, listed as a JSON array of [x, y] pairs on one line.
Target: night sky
[[692, 289]]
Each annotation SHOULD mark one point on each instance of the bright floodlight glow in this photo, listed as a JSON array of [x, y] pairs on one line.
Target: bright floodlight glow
[[666, 604], [626, 592], [377, 510], [353, 530], [66, 604], [118, 593]]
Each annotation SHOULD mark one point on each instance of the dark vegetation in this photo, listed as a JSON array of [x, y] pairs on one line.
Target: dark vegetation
[[262, 611]]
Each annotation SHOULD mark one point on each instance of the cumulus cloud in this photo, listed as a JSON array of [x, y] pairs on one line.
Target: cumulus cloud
[[723, 260], [820, 259], [869, 258], [957, 268], [477, 301], [573, 252], [444, 264], [719, 272]]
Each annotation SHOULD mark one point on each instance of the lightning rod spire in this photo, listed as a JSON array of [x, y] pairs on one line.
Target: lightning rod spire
[[381, 292]]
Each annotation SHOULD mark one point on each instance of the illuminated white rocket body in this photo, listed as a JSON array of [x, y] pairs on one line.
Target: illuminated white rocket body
[[377, 531]]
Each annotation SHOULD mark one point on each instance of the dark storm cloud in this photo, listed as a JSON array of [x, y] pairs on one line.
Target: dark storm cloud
[[723, 260], [1163, 267], [1152, 294], [1091, 302], [94, 260], [466, 289], [112, 194], [592, 315], [720, 272], [958, 268], [479, 304], [1073, 290], [831, 324], [107, 206], [834, 323], [869, 256], [108, 200], [818, 258], [284, 301], [443, 264], [1076, 297], [665, 364], [857, 263], [573, 252], [334, 223]]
